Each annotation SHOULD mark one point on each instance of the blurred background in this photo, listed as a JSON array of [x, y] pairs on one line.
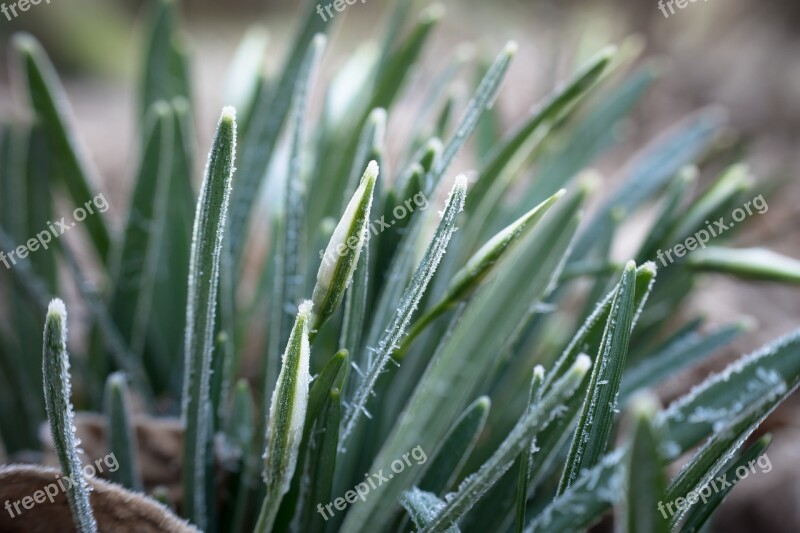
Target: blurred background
[[743, 55]]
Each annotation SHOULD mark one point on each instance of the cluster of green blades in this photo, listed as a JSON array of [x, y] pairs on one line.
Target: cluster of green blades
[[488, 328]]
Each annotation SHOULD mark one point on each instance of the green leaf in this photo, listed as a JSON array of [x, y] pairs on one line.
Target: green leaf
[[650, 170], [138, 258], [342, 254], [408, 304], [332, 377], [268, 115], [700, 514], [239, 425], [685, 422], [422, 507], [395, 68], [323, 461], [589, 137], [748, 263], [287, 414], [121, 435], [484, 95], [725, 395], [599, 407], [212, 207], [536, 418], [673, 197], [677, 354], [165, 71], [589, 336], [585, 500], [728, 437], [448, 461], [525, 458], [480, 266], [48, 100], [722, 193], [169, 304], [538, 124], [289, 255], [57, 392], [467, 354], [645, 480]]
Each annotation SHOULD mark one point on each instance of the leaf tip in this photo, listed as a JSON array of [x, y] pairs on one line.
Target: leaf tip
[[57, 310], [511, 49], [228, 114], [305, 309], [582, 364]]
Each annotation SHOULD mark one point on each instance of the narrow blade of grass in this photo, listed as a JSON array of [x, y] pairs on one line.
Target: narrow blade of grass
[[47, 97], [748, 263], [645, 480], [526, 457], [289, 255], [726, 394], [599, 408], [212, 208], [287, 414], [57, 392], [165, 70], [121, 436], [138, 256], [408, 304], [268, 116], [678, 354], [446, 464], [697, 517], [538, 417]]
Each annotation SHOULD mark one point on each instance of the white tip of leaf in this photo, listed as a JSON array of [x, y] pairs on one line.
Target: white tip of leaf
[[228, 113], [511, 48], [650, 266], [372, 167], [461, 183], [306, 308], [57, 307], [583, 363]]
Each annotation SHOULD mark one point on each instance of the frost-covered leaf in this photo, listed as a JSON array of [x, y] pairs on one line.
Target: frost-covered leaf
[[422, 507], [121, 435], [212, 207], [341, 256], [57, 392], [287, 415], [600, 405], [446, 464], [408, 304], [536, 418], [645, 480], [467, 354]]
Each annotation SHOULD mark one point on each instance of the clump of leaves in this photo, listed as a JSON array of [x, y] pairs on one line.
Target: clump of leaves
[[386, 350]]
